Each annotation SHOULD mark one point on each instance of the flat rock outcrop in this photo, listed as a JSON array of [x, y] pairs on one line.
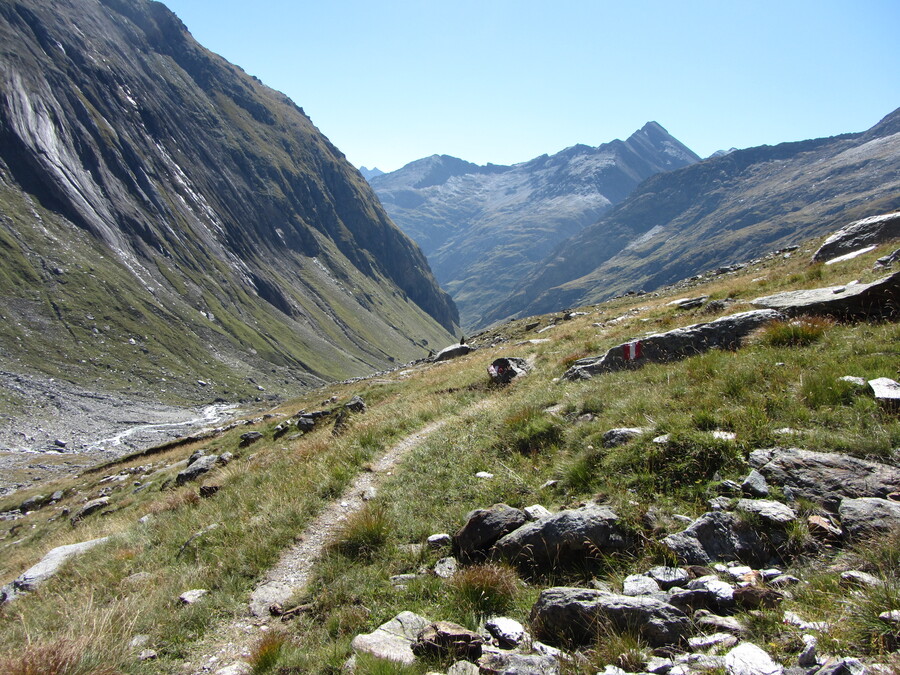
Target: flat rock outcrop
[[878, 299], [859, 234], [558, 538], [724, 333], [565, 614], [392, 640], [825, 477], [49, 565], [868, 517]]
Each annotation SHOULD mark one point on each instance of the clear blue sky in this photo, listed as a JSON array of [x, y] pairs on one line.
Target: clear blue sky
[[503, 81]]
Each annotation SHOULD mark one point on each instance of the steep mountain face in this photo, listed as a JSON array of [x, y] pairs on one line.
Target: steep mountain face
[[484, 227], [724, 210], [164, 215]]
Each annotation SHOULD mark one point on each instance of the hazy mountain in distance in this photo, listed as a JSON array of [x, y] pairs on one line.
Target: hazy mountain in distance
[[484, 227], [724, 210], [369, 174]]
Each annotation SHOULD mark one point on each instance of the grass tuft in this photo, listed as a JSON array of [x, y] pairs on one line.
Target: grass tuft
[[484, 589], [364, 533], [798, 332]]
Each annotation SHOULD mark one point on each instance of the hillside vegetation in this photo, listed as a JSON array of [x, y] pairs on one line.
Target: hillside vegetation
[[541, 439]]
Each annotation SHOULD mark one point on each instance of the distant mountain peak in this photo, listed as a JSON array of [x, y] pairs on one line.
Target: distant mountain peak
[[369, 174]]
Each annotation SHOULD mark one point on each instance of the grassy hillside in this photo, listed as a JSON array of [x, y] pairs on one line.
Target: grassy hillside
[[537, 429]]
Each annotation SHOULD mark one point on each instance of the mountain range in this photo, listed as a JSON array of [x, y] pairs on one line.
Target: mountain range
[[167, 218], [725, 210], [484, 228]]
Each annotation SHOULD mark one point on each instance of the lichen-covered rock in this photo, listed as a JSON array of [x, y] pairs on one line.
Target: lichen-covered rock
[[718, 536], [563, 614], [483, 528], [868, 516], [563, 536]]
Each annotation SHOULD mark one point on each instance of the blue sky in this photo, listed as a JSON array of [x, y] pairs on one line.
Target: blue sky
[[501, 81]]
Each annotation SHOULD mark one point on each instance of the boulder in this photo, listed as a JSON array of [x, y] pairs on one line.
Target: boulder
[[88, 508], [48, 566], [859, 234], [392, 640], [452, 352], [200, 466], [616, 437], [250, 438], [483, 528], [718, 535], [755, 485], [564, 614], [725, 333], [879, 299], [775, 513], [443, 639], [508, 633], [669, 577], [825, 477], [306, 423], [581, 533], [639, 584], [886, 390], [517, 664], [356, 405], [868, 516], [748, 659], [507, 368]]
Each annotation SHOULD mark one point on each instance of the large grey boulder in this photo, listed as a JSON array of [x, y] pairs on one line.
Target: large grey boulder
[[564, 614], [859, 234], [724, 333], [452, 352], [825, 477], [718, 536], [392, 640], [199, 467], [561, 537], [483, 528], [868, 516], [48, 566], [879, 299]]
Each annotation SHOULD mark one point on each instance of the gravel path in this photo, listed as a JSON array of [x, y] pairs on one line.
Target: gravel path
[[293, 570]]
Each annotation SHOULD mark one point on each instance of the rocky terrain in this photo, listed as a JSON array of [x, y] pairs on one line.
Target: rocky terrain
[[699, 480], [483, 228], [167, 219], [716, 213]]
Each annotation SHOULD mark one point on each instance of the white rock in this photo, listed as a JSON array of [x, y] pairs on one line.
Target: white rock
[[509, 633], [239, 668], [885, 389], [748, 659], [193, 596], [484, 474], [638, 584], [718, 640], [536, 512]]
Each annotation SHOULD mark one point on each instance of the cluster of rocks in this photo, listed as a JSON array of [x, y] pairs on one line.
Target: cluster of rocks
[[731, 561]]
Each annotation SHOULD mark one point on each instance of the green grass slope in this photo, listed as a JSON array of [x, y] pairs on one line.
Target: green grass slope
[[537, 429]]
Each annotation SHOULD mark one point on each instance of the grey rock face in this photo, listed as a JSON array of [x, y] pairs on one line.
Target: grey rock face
[[452, 352], [724, 333], [201, 466], [392, 640], [755, 485], [484, 527], [616, 437], [564, 613], [868, 516], [49, 565], [878, 299], [825, 478], [506, 369], [717, 535], [557, 538], [90, 507], [859, 234]]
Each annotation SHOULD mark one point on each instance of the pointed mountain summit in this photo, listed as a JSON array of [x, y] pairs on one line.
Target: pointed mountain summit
[[164, 217], [484, 227]]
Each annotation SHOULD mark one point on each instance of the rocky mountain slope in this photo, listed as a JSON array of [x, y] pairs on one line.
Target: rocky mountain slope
[[166, 218], [484, 227], [722, 504], [724, 210]]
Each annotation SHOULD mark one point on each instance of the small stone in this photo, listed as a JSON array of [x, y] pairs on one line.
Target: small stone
[[705, 619], [239, 668], [446, 567], [536, 512], [484, 474], [808, 657], [508, 633], [620, 436], [441, 540], [719, 503], [892, 616], [638, 584], [193, 596], [139, 641], [748, 659], [784, 580], [739, 571], [822, 528], [401, 580], [794, 619], [147, 655], [860, 579], [249, 438], [886, 390], [858, 381], [669, 577], [549, 484], [755, 485], [715, 640]]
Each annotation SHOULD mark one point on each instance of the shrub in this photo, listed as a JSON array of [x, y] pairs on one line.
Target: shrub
[[485, 589], [364, 533], [795, 332]]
